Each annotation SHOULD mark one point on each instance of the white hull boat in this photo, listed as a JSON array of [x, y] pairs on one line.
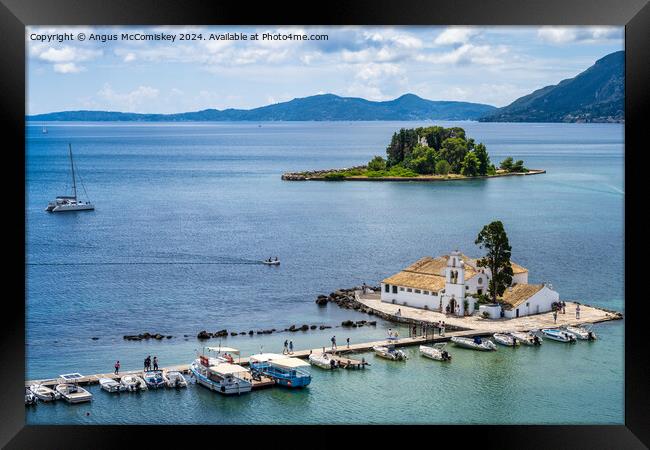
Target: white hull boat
[[154, 379], [30, 398], [436, 352], [271, 263], [224, 378], [558, 335], [110, 385], [390, 352], [175, 379], [66, 203], [322, 360], [44, 393], [582, 333], [484, 345], [527, 338], [73, 393], [133, 383], [505, 339]]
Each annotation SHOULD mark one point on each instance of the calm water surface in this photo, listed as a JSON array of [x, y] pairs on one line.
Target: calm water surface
[[186, 211]]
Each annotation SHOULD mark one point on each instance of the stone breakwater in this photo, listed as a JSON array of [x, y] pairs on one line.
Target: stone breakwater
[[145, 336], [315, 174], [346, 298]]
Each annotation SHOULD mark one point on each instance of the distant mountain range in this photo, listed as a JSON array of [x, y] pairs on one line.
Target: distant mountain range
[[317, 107], [595, 95]]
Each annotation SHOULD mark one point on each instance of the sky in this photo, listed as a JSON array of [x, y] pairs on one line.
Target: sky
[[133, 73]]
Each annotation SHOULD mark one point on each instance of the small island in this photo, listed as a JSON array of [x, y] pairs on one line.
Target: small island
[[424, 154]]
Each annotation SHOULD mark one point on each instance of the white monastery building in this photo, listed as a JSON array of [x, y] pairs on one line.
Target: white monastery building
[[447, 284]]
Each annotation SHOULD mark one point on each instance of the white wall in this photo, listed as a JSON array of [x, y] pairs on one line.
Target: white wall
[[543, 299], [411, 298], [520, 278], [494, 311]]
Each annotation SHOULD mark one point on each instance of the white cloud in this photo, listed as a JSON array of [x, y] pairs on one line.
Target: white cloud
[[129, 57], [67, 68], [128, 101], [455, 35], [589, 35]]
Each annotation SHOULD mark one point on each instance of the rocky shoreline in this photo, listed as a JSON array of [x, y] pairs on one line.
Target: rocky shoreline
[[316, 174], [319, 175]]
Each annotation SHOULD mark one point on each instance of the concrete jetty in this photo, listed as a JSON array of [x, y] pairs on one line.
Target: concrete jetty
[[340, 354]]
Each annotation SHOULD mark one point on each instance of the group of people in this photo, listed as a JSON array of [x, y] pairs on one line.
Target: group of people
[[561, 306], [271, 260], [147, 363], [288, 347]]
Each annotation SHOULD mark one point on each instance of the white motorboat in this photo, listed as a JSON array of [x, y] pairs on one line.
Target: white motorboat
[[110, 385], [322, 360], [583, 333], [175, 379], [44, 393], [275, 262], [477, 343], [436, 352], [528, 338], [558, 335], [224, 378], [72, 393], [390, 352], [65, 203], [133, 383], [30, 398], [154, 378], [505, 339]]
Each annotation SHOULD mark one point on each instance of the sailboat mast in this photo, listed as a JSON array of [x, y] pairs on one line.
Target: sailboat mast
[[74, 181]]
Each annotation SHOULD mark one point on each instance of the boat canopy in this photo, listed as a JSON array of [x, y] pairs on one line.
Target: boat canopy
[[289, 363], [263, 357], [222, 349], [71, 376], [227, 368]]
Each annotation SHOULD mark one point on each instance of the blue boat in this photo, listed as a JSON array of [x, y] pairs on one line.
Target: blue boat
[[154, 379], [284, 370]]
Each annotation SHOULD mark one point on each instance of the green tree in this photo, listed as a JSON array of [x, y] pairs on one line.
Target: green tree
[[453, 150], [442, 167], [506, 164], [518, 166], [377, 163], [494, 239], [400, 146], [422, 160], [483, 159], [470, 165]]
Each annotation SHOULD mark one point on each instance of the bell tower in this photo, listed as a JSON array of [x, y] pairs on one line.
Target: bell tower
[[455, 284]]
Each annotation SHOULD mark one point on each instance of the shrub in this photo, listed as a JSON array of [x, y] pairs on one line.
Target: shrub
[[377, 163], [442, 167], [334, 176], [486, 315], [506, 164]]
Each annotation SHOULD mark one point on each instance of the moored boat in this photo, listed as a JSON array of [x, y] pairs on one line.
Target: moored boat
[[73, 393], [154, 379], [224, 378], [477, 343], [581, 332], [133, 383], [44, 393], [175, 379], [558, 335], [437, 352], [322, 360], [65, 203], [528, 338], [390, 352], [30, 398], [284, 370], [110, 385], [505, 339]]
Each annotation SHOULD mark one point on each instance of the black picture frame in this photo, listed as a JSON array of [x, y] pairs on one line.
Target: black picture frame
[[16, 14]]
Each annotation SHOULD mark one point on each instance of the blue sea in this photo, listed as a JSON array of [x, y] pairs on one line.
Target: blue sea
[[185, 212]]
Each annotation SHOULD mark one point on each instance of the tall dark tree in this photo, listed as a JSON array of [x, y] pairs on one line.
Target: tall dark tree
[[483, 159], [400, 146], [494, 239]]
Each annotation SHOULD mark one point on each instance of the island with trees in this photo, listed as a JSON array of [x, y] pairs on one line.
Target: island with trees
[[424, 154]]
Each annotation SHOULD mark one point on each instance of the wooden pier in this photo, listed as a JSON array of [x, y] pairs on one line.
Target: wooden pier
[[340, 353]]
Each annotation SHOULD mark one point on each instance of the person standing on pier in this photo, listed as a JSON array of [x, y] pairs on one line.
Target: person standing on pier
[[333, 343], [555, 316], [291, 347], [442, 329], [348, 342], [117, 367], [155, 363], [286, 347], [147, 363], [577, 310]]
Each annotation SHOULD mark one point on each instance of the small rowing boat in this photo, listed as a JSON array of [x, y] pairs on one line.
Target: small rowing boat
[[110, 385], [484, 345], [133, 383], [505, 339], [322, 360], [436, 352], [175, 379], [558, 335]]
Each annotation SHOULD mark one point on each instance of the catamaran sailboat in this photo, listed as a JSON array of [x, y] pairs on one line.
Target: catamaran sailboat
[[70, 202]]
